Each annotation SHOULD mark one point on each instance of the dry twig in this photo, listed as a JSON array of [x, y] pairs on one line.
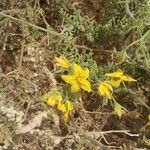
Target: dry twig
[[51, 78]]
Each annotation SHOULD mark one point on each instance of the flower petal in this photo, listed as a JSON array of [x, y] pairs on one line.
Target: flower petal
[[69, 78], [61, 107], [69, 105], [117, 74], [52, 98], [51, 102], [115, 83], [75, 87], [84, 73], [85, 84], [77, 70], [128, 78], [58, 97], [66, 116], [105, 90], [62, 62]]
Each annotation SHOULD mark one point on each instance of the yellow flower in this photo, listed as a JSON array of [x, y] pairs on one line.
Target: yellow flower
[[61, 107], [52, 98], [69, 106], [118, 77], [55, 99], [105, 90], [62, 62], [118, 109], [78, 79], [66, 109], [66, 116]]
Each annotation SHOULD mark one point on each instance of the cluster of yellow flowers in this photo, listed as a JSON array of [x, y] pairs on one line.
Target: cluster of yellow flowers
[[116, 78], [79, 80], [54, 99]]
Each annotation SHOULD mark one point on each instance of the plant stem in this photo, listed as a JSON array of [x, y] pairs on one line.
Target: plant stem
[[50, 31], [139, 40]]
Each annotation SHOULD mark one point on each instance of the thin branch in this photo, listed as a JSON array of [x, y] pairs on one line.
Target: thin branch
[[96, 112], [120, 131], [127, 2], [139, 40], [51, 78], [22, 49], [96, 50], [106, 140], [26, 111], [50, 31], [98, 144]]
